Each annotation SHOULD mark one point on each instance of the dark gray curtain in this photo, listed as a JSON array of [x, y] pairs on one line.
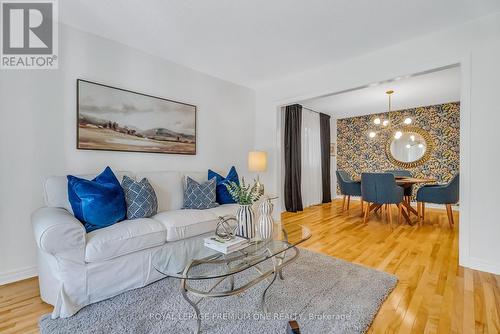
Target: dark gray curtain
[[293, 124], [324, 129]]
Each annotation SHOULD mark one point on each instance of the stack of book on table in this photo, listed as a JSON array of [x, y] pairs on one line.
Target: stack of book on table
[[226, 246]]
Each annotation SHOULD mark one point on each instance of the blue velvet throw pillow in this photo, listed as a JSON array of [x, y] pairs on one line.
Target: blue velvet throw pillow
[[200, 196], [140, 197], [223, 196], [99, 202]]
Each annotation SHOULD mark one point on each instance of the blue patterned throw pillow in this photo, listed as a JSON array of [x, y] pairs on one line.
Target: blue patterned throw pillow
[[223, 195], [200, 196], [140, 197]]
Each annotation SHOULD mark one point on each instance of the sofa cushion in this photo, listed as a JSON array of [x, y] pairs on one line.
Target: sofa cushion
[[223, 195], [186, 223], [56, 189], [99, 202], [168, 187], [140, 197], [199, 177], [123, 238], [225, 210], [182, 224], [200, 196]]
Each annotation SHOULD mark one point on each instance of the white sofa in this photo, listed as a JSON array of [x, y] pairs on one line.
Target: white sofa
[[78, 268]]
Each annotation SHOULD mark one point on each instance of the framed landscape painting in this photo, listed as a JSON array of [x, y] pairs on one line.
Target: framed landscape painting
[[115, 119]]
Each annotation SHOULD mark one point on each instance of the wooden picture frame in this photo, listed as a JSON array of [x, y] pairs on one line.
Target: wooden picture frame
[[116, 119]]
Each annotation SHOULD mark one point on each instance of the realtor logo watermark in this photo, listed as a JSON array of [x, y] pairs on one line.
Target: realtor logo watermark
[[29, 34]]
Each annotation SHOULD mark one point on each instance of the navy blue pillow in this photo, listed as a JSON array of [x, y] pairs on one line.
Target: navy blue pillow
[[99, 202], [223, 196]]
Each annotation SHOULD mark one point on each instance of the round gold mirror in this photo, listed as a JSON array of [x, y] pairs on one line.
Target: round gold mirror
[[409, 147]]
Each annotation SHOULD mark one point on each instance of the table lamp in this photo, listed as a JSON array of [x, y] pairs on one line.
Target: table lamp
[[257, 162]]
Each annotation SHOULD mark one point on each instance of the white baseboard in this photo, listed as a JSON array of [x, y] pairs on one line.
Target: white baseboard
[[18, 275], [481, 265]]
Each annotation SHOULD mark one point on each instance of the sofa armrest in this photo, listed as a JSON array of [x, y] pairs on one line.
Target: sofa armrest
[[59, 233]]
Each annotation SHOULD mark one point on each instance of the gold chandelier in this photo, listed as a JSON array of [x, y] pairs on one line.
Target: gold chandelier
[[385, 122]]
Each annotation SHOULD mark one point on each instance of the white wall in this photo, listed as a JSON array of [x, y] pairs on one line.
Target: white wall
[[476, 46], [37, 129]]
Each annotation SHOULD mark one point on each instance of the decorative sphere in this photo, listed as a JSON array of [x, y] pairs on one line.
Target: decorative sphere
[[226, 228]]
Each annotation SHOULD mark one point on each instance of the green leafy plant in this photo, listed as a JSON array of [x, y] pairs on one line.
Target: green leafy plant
[[245, 194]]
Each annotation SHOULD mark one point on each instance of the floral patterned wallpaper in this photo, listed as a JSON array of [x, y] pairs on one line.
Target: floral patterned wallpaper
[[357, 153]]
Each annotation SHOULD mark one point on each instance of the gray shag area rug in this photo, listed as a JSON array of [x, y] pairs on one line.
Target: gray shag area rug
[[324, 295]]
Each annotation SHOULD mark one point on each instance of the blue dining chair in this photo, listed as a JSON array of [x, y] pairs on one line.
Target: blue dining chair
[[378, 189], [348, 187], [408, 191], [447, 194]]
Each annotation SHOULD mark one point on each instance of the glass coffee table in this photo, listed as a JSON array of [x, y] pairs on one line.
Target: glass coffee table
[[207, 264]]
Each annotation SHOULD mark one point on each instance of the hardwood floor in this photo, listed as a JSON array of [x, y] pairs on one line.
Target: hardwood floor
[[21, 307], [434, 294]]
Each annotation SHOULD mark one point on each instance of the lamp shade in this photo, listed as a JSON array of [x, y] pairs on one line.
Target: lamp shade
[[257, 161]]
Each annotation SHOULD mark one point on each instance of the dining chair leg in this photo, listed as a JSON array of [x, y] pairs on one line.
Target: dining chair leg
[[423, 212], [420, 210], [367, 211], [390, 215], [400, 209], [343, 203], [348, 201], [362, 207], [387, 208], [450, 215]]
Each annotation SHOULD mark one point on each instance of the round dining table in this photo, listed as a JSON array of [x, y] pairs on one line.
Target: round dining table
[[404, 182]]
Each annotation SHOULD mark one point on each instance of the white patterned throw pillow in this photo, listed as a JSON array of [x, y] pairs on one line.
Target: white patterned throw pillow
[[200, 196], [140, 197]]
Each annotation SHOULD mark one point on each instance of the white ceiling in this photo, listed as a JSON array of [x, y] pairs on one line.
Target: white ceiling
[[252, 41], [421, 90]]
